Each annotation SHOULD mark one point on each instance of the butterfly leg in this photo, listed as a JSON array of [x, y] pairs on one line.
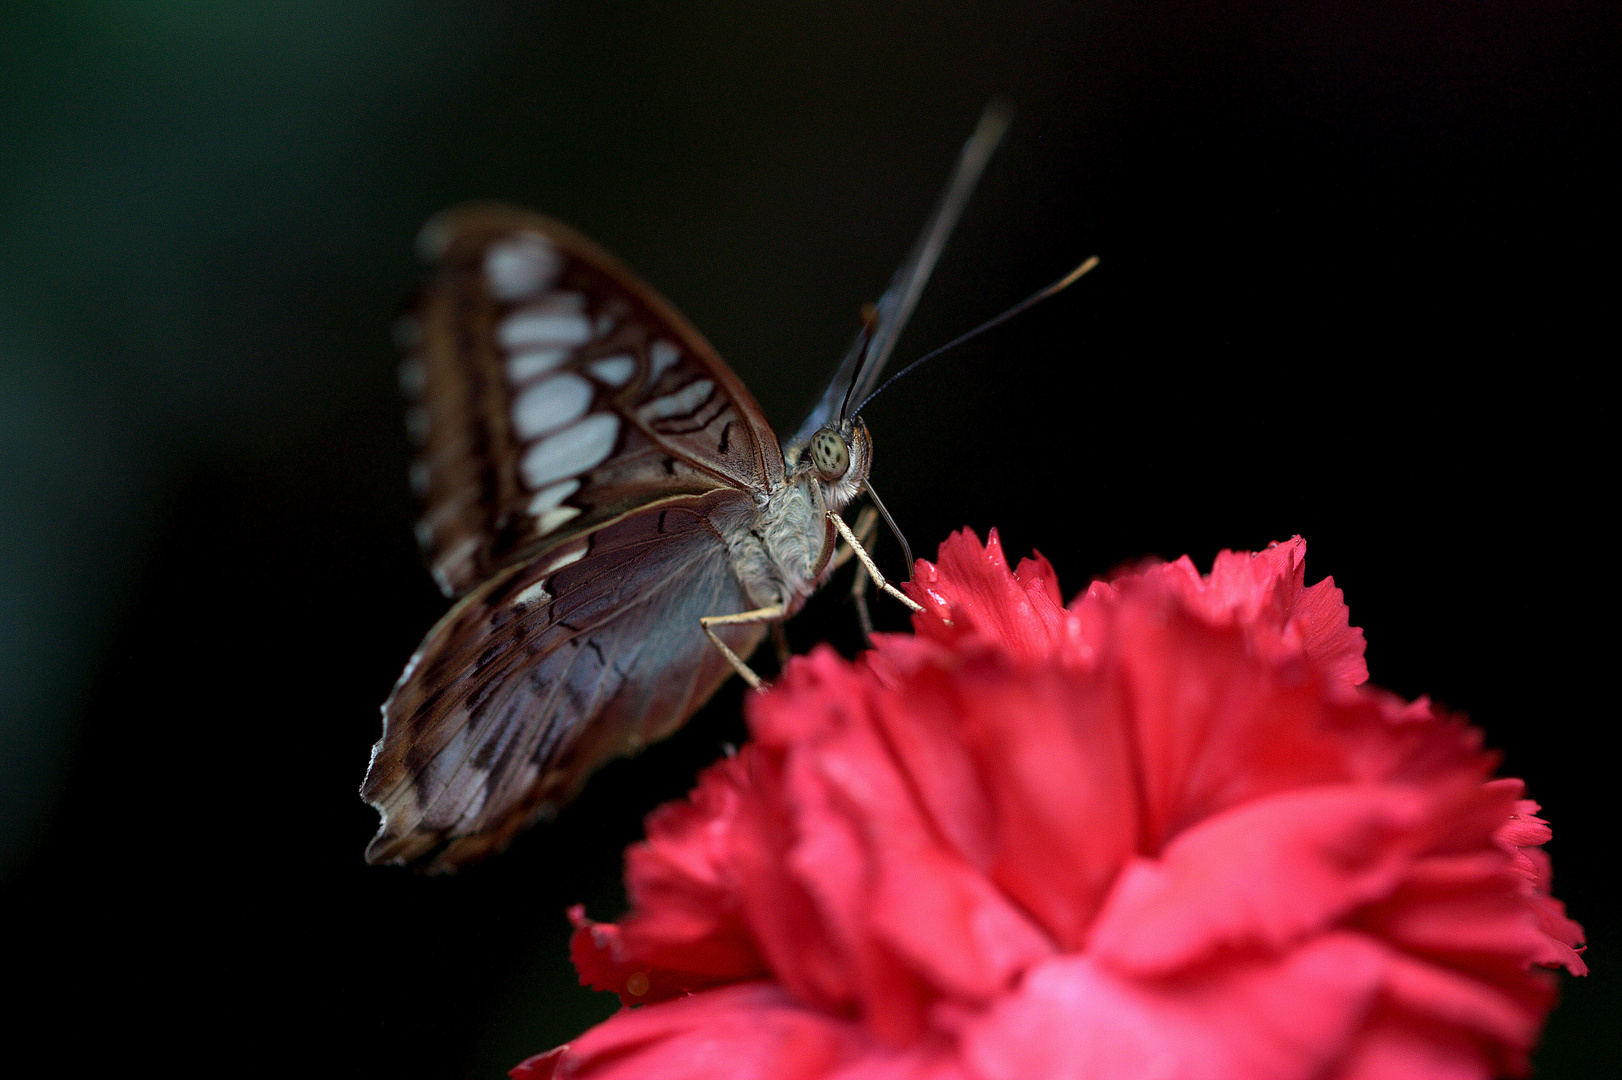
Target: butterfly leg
[[765, 614], [858, 594], [866, 525], [867, 563]]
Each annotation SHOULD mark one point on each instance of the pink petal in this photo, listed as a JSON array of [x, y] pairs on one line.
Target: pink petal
[[1261, 876], [1214, 728], [1468, 912], [1159, 832], [1504, 1028], [1263, 594], [1396, 1046], [685, 915], [1561, 936], [789, 926], [748, 1031], [1321, 615], [939, 765], [1051, 746], [910, 917], [1035, 575], [1285, 1019], [971, 591]]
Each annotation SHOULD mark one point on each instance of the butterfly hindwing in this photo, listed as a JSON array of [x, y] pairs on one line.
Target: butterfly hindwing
[[555, 392], [549, 669]]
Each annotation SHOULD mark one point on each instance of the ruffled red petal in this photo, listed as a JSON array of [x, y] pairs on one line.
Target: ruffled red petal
[[971, 591], [1158, 832], [747, 1031], [1285, 1018]]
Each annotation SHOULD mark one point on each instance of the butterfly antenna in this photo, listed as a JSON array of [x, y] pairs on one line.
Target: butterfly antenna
[[906, 549], [1036, 298]]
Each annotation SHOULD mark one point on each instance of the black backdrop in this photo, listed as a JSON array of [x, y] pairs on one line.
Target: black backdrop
[[1354, 257]]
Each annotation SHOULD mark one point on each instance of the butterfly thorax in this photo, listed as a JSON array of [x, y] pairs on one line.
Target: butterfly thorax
[[781, 553]]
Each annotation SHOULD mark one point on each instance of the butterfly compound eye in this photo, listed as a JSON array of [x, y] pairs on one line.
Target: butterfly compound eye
[[829, 454]]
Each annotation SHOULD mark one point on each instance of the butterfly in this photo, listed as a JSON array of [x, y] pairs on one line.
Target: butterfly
[[616, 519]]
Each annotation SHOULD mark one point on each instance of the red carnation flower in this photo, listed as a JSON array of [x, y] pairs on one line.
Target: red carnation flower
[[1160, 832]]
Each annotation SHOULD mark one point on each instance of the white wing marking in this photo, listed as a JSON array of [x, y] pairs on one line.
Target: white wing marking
[[536, 591], [573, 555], [555, 517], [540, 328], [571, 451], [547, 498], [553, 319], [682, 402], [662, 354], [520, 266], [614, 370], [560, 400], [524, 366]]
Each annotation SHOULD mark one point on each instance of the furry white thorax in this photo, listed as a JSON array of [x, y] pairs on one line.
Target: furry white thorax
[[783, 553]]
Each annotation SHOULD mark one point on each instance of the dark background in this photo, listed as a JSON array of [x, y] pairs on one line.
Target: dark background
[[1356, 259]]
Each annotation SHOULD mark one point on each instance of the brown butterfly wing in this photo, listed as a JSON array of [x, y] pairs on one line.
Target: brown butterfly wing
[[549, 669], [585, 456], [555, 393]]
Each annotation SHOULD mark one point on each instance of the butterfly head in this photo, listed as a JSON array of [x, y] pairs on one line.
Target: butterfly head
[[839, 457]]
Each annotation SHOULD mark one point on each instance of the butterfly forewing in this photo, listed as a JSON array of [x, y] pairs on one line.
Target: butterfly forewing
[[556, 392]]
